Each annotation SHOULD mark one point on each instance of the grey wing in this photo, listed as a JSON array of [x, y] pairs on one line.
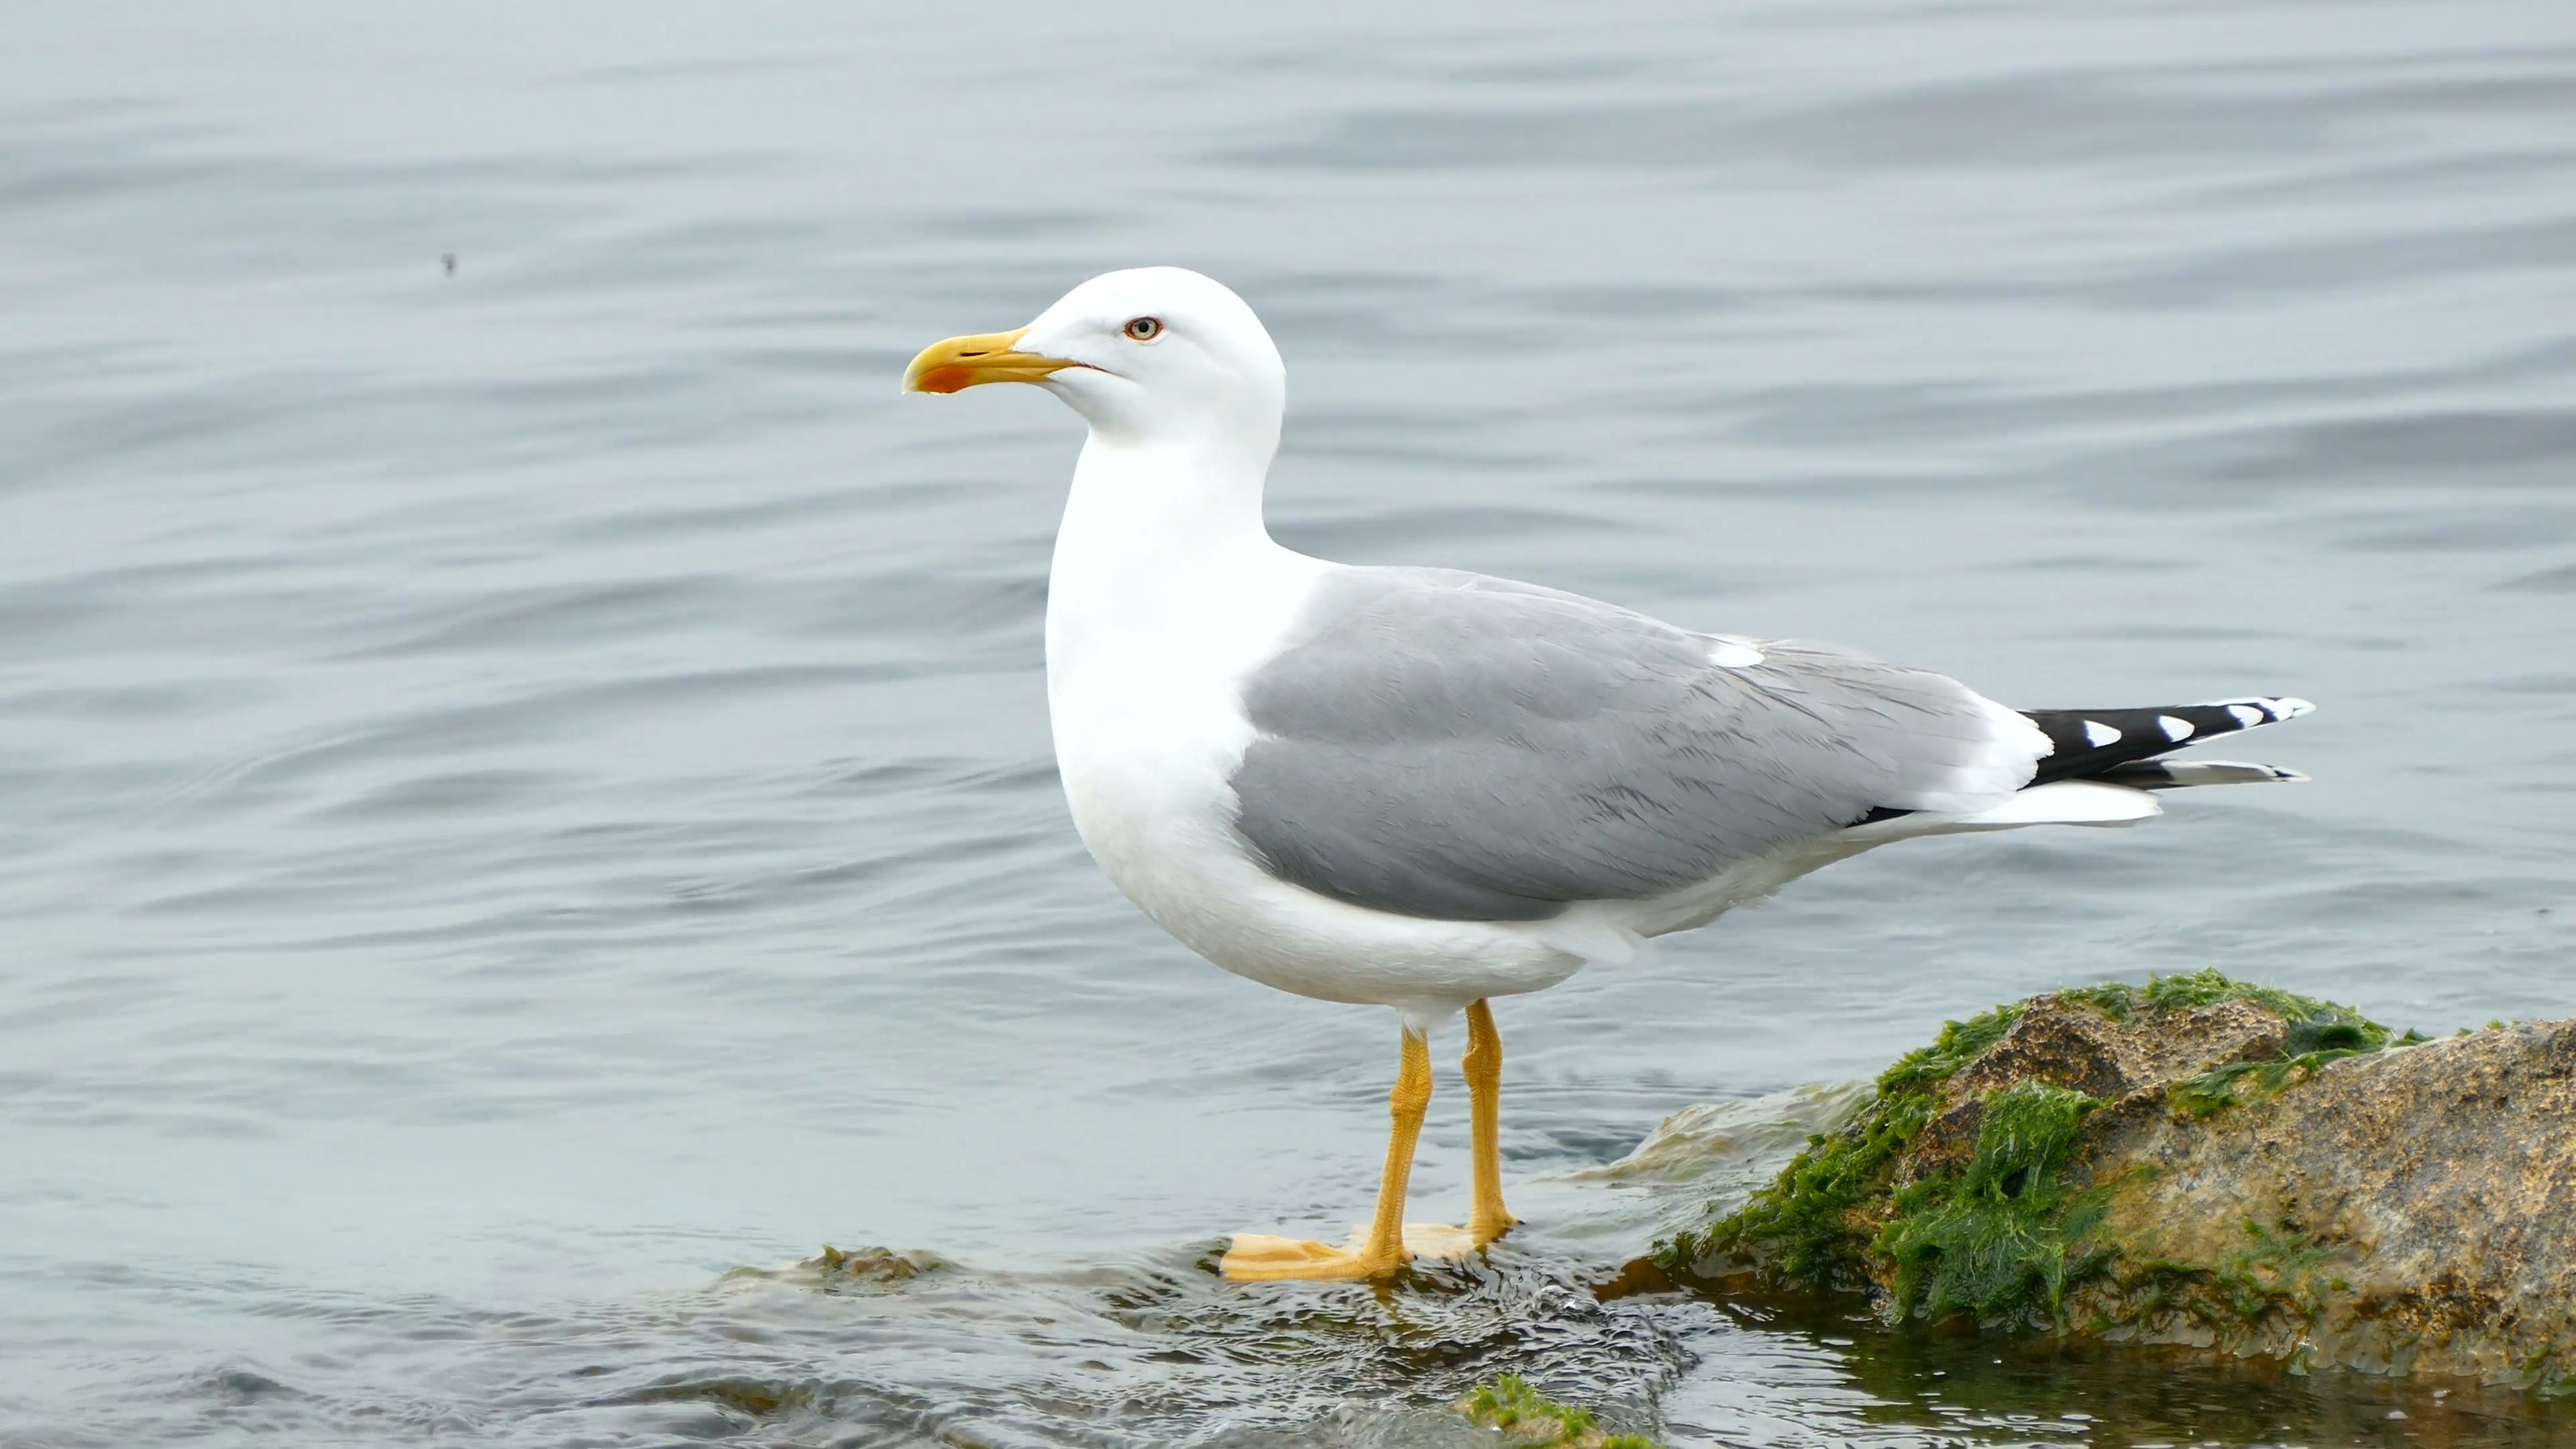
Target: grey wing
[[1454, 747]]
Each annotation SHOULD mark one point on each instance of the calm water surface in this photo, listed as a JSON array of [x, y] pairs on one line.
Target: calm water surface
[[525, 792]]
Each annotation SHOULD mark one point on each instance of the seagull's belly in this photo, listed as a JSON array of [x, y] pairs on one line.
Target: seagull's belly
[[1148, 792]]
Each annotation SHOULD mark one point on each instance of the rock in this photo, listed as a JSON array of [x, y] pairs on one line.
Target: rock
[[1526, 1418], [853, 1270], [872, 1265], [2198, 1161]]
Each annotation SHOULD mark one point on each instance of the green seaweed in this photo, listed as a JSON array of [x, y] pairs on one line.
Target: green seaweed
[[2278, 1269], [1800, 1226], [2004, 1238], [1960, 1043], [1509, 1403], [2318, 1033], [2282, 1270], [2312, 1022], [2219, 1088]]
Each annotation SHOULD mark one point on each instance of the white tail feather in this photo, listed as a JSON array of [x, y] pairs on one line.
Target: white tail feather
[[2067, 802]]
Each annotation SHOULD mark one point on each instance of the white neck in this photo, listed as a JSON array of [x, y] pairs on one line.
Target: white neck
[[1140, 500], [1163, 550]]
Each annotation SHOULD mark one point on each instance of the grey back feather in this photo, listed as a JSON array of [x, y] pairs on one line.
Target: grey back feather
[[1455, 747]]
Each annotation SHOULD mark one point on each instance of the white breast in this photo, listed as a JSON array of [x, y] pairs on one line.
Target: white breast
[[1154, 617], [1147, 731]]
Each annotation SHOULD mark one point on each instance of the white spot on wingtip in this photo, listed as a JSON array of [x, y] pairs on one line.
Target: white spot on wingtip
[[1733, 654], [2176, 728], [2099, 734], [2262, 709]]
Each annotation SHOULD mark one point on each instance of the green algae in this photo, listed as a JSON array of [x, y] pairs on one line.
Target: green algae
[[2235, 1084], [1801, 1224], [2315, 1028], [2006, 1237], [2279, 1266], [1960, 1043], [2278, 1269], [2316, 1033], [1524, 1414], [2207, 987]]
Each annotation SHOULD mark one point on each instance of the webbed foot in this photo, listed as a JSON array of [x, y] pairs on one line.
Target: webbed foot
[[1267, 1257]]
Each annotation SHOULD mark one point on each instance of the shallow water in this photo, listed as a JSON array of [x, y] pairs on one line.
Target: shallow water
[[527, 787]]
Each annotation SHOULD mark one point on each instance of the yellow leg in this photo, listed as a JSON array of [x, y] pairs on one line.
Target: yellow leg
[[1383, 1252], [1487, 1219]]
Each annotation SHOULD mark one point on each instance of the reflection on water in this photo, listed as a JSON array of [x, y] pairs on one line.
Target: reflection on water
[[527, 786], [1954, 1385]]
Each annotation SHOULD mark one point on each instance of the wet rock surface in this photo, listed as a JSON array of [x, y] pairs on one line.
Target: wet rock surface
[[2198, 1161]]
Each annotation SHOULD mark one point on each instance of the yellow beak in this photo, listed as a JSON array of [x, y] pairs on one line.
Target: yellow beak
[[962, 362]]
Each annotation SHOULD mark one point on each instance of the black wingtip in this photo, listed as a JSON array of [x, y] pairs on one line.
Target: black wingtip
[[2089, 743]]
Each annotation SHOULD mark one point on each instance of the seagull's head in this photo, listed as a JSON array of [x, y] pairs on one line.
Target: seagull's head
[[1158, 354]]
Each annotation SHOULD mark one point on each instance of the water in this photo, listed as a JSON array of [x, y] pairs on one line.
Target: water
[[527, 789]]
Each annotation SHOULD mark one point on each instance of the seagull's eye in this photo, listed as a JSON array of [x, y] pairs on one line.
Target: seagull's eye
[[1144, 329]]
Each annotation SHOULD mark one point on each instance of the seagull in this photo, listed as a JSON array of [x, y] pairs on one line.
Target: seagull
[[1421, 788]]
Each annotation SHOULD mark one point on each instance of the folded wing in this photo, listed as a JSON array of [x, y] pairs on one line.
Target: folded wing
[[1450, 746]]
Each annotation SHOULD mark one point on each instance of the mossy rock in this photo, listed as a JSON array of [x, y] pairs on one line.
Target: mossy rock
[[1526, 1417], [2197, 1160]]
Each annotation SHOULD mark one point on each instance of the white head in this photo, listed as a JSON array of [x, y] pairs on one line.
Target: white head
[[1152, 357]]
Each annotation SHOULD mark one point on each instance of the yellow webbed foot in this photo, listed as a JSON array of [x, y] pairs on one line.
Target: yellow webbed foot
[[1439, 1240], [1266, 1257]]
